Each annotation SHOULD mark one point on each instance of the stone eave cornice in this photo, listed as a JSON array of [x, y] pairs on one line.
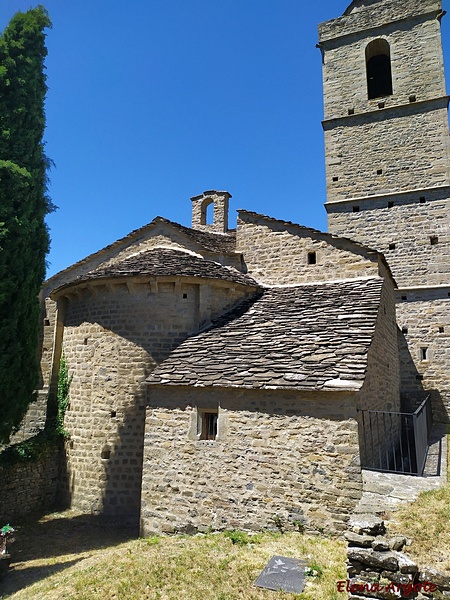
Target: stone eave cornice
[[77, 288], [383, 196], [354, 388], [386, 112]]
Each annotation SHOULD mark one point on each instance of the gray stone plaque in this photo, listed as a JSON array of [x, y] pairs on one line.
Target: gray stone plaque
[[281, 573]]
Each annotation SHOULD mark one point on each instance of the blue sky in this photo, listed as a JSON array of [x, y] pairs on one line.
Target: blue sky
[[151, 102]]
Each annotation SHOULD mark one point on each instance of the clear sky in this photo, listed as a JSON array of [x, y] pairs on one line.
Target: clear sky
[[151, 102]]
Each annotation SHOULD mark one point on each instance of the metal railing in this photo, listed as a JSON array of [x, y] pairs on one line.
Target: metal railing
[[396, 442]]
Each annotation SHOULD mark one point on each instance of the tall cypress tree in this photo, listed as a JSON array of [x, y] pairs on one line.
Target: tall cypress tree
[[24, 240]]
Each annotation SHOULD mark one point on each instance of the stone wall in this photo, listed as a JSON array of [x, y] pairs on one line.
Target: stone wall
[[418, 134], [276, 253], [424, 322], [381, 388], [403, 228], [114, 335], [282, 453], [28, 486], [34, 419]]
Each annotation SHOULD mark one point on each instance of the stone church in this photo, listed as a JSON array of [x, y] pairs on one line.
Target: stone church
[[220, 376]]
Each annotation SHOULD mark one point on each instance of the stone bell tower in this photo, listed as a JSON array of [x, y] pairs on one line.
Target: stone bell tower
[[388, 168]]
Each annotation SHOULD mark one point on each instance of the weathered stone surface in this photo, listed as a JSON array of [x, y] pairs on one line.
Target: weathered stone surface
[[380, 544], [405, 564], [387, 561], [397, 542], [442, 580], [354, 539], [367, 524]]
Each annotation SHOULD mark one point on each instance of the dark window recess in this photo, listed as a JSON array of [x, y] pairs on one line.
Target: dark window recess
[[379, 171], [312, 258], [335, 178], [412, 98], [422, 200], [434, 240], [209, 425], [46, 322], [106, 454], [184, 296], [441, 329], [424, 354], [113, 413], [392, 246], [378, 66], [404, 330], [404, 297], [381, 104], [419, 377], [390, 204], [356, 208], [351, 111], [85, 341]]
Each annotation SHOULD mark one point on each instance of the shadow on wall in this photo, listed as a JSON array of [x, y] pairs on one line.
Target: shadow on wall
[[412, 391]]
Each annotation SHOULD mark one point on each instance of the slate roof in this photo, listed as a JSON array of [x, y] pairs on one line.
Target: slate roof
[[310, 337], [165, 261]]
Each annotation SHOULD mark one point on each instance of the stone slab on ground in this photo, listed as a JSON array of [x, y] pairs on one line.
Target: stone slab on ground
[[283, 574]]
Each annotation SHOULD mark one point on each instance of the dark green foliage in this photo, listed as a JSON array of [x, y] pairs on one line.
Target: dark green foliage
[[64, 381], [24, 203]]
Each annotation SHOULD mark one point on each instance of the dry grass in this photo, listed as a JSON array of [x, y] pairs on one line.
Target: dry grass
[[427, 522], [206, 567]]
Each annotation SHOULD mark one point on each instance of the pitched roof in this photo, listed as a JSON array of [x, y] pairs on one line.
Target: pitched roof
[[310, 337], [222, 243], [164, 262]]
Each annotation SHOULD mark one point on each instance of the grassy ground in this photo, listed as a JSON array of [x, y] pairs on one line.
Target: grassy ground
[[69, 556], [427, 522]]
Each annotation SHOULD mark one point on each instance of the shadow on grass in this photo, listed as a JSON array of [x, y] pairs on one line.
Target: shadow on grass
[[17, 580], [59, 534]]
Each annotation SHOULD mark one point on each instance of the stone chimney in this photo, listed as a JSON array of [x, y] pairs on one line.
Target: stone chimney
[[200, 204]]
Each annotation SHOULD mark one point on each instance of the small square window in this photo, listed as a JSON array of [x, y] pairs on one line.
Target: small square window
[[381, 104], [335, 178], [441, 329], [356, 208], [392, 246], [351, 111], [419, 377], [312, 258], [404, 297], [390, 204], [404, 330], [184, 296], [412, 98], [46, 322], [434, 240], [422, 200], [424, 353], [207, 424], [379, 171]]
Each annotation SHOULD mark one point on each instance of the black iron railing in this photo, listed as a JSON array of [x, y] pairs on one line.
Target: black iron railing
[[396, 442]]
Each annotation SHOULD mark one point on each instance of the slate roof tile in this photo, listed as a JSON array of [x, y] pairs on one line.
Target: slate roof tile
[[291, 337], [169, 262]]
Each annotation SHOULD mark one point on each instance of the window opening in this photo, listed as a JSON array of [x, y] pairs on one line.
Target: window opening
[[422, 199], [412, 98], [335, 178], [312, 258], [390, 204], [379, 171], [46, 322], [404, 297], [441, 329], [378, 67], [392, 246], [434, 240], [208, 424], [381, 104], [351, 111], [356, 209], [404, 330], [424, 353]]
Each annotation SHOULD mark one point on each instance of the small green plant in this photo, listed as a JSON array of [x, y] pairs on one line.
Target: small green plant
[[314, 570], [6, 533], [241, 538], [64, 382], [278, 523], [299, 525]]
